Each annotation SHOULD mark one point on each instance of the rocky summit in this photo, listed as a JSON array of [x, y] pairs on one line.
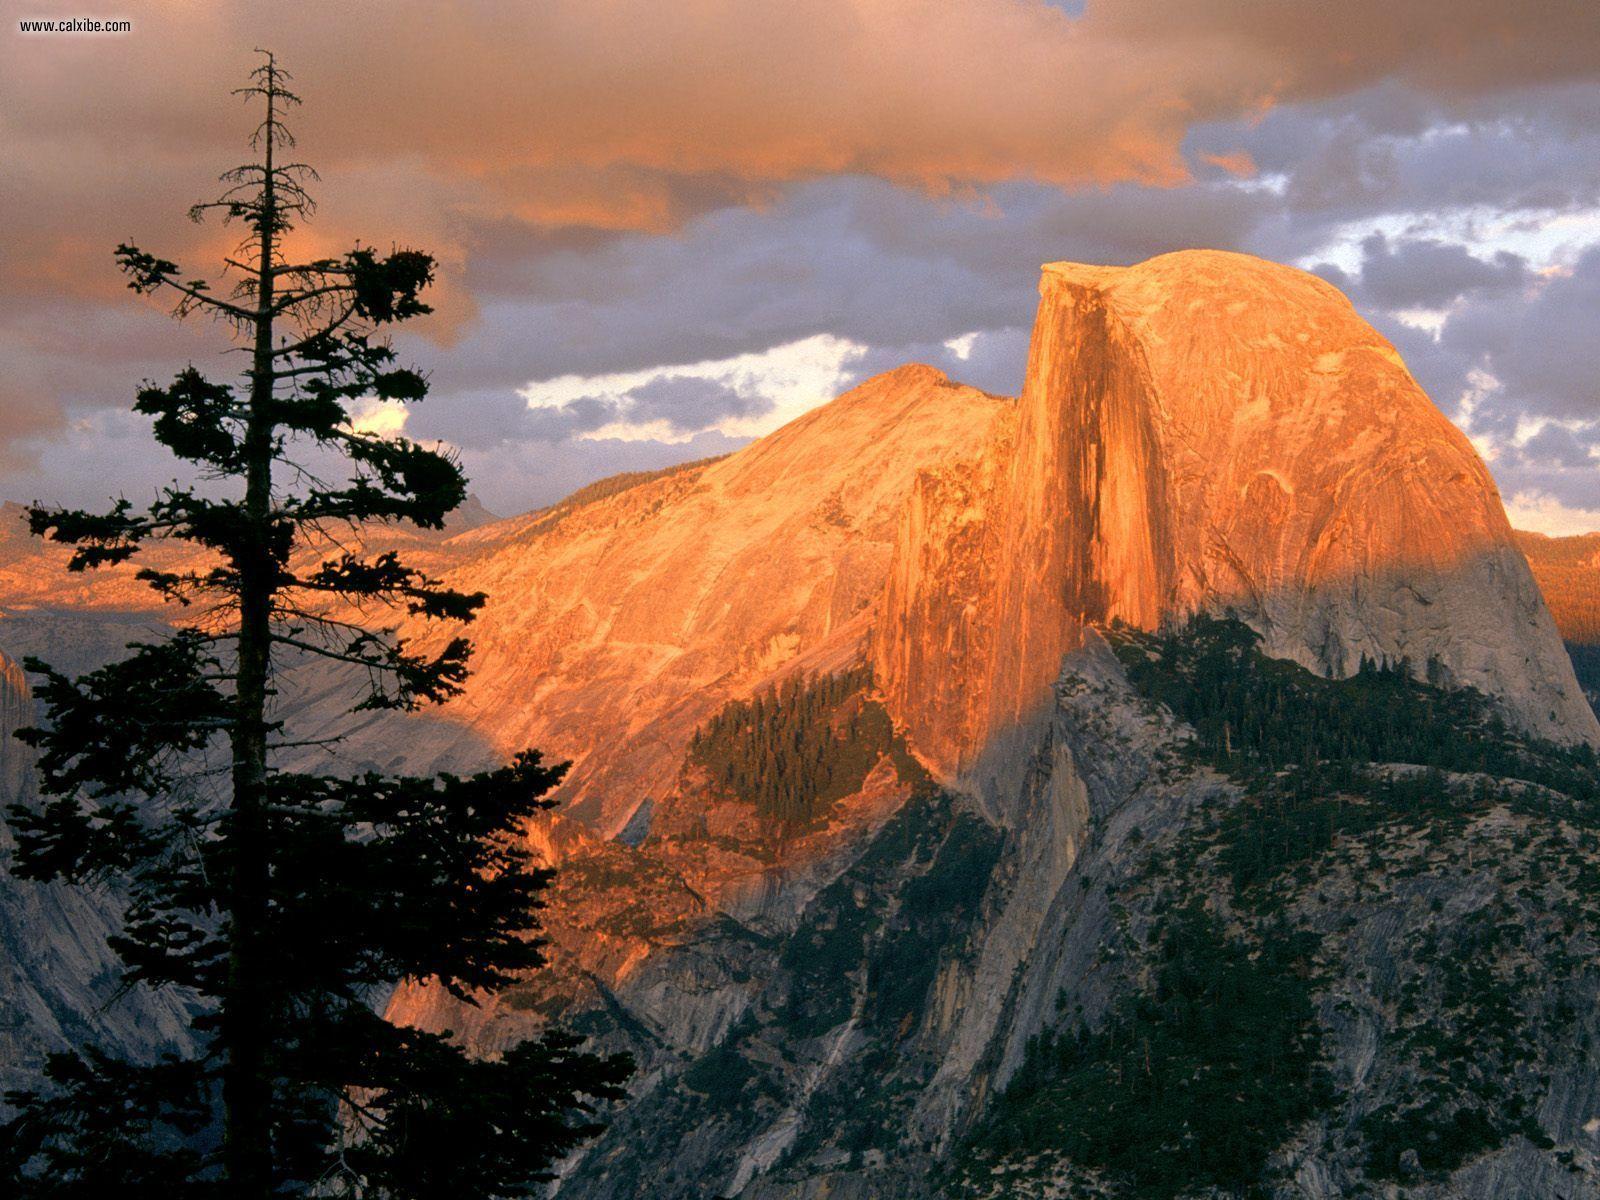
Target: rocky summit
[[1210, 432], [1170, 782]]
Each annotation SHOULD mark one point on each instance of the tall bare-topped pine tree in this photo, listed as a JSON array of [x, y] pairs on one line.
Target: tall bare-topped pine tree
[[285, 902]]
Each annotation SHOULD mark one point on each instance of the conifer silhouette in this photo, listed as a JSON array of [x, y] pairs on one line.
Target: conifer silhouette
[[286, 902]]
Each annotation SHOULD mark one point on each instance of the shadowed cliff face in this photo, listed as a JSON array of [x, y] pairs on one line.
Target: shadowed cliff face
[[1210, 431], [58, 980]]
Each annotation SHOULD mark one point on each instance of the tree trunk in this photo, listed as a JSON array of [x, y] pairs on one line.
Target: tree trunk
[[247, 1091]]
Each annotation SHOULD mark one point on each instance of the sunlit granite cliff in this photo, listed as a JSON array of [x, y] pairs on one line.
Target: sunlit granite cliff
[[836, 954]]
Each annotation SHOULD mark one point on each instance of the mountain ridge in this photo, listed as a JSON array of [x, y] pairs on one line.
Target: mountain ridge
[[921, 584]]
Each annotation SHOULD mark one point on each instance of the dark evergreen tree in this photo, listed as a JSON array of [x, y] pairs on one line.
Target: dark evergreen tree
[[284, 902]]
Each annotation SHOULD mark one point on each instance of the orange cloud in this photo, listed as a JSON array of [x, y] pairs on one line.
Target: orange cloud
[[632, 114], [635, 114], [919, 91], [1238, 164]]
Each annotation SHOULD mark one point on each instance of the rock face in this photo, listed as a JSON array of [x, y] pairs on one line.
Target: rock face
[[1568, 572], [1203, 432], [58, 984], [849, 1038], [1210, 431], [829, 1008], [615, 628]]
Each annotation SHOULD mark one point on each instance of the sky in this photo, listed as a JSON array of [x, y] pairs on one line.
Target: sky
[[664, 229]]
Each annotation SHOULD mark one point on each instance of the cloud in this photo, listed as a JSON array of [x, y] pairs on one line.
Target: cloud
[[666, 408], [709, 89], [961, 345], [742, 396], [1395, 156], [1542, 351], [63, 358], [1427, 273], [629, 189], [1237, 163], [1459, 49], [1543, 513], [690, 404], [638, 115], [385, 418], [1562, 446], [853, 258]]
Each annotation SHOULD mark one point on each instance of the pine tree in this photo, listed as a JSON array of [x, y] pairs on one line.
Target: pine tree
[[286, 903]]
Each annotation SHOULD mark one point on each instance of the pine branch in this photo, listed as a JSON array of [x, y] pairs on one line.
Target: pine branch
[[292, 299]]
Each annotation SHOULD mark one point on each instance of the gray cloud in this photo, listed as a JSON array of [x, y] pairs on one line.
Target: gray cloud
[[850, 256], [902, 271], [1544, 351], [1425, 273], [1560, 447], [580, 416], [865, 260], [690, 404], [687, 404], [1392, 149]]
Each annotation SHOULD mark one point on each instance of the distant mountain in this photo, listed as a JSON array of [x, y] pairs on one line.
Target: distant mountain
[[1568, 571], [470, 515], [1169, 780]]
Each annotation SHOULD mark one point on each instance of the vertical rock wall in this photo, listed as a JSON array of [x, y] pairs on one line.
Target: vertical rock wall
[[1208, 431]]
